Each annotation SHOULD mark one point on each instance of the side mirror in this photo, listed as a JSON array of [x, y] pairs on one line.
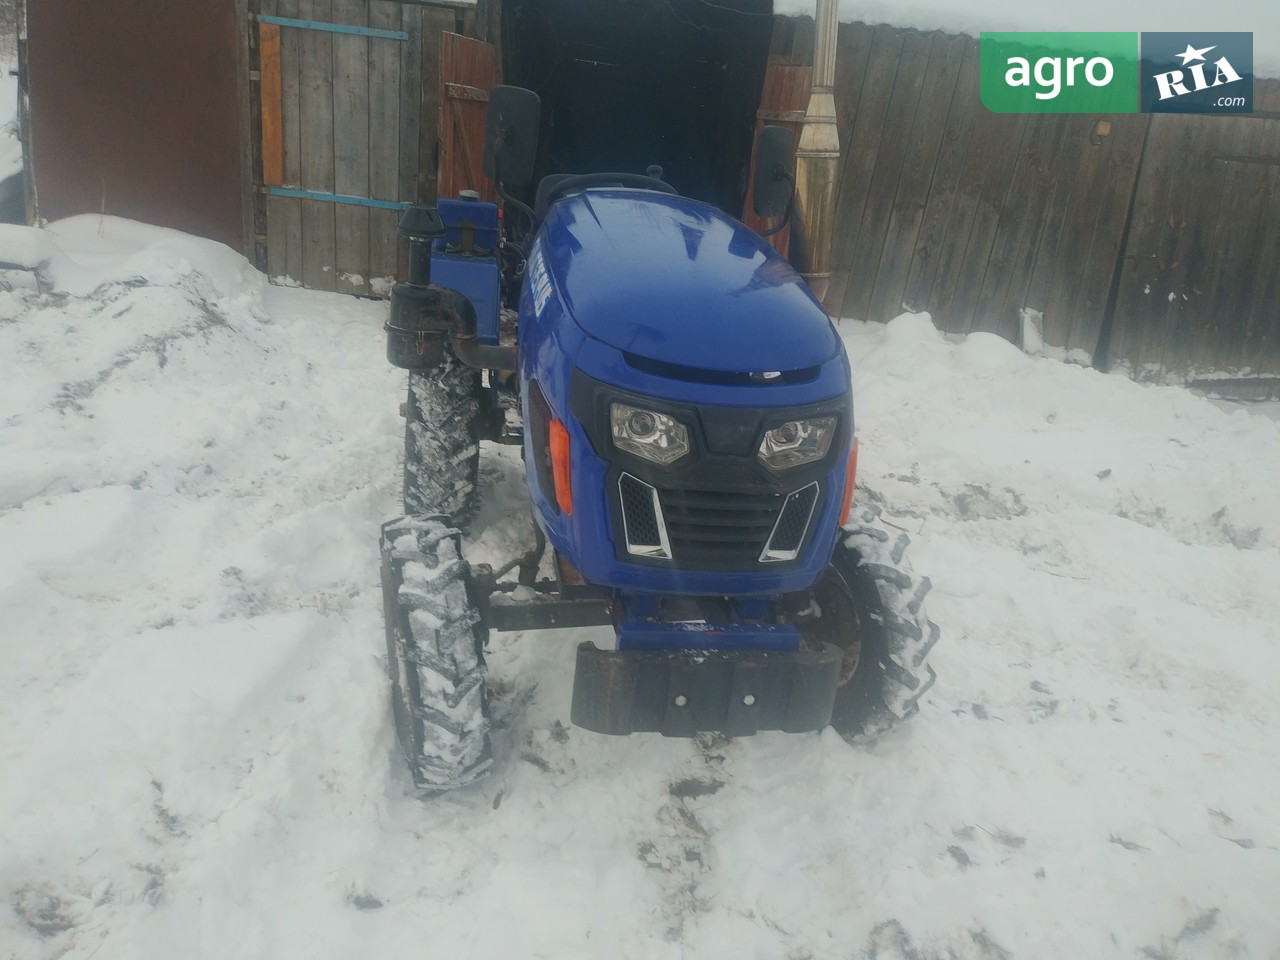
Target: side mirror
[[774, 186], [511, 135]]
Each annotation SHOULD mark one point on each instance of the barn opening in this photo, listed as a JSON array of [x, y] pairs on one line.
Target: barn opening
[[637, 82]]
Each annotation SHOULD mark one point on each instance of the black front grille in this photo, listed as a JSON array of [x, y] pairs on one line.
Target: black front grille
[[718, 529], [638, 513], [794, 520]]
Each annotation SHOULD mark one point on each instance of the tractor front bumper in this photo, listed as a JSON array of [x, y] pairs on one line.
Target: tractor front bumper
[[680, 693]]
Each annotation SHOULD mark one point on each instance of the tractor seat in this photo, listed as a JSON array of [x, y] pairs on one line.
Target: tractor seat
[[545, 186], [551, 188]]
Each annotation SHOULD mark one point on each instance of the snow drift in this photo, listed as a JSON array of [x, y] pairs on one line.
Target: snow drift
[[195, 735]]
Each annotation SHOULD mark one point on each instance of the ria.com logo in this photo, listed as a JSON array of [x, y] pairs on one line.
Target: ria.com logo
[[1111, 73], [1197, 73]]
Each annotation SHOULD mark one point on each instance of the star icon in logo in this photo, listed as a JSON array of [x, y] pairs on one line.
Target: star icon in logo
[[1191, 53]]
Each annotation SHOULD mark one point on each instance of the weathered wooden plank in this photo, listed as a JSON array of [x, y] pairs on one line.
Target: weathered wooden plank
[[932, 238], [470, 26], [853, 43], [489, 22], [1021, 223], [1215, 222], [1238, 236], [1150, 277], [269, 93], [419, 82], [1105, 198], [1175, 333], [853, 48], [1047, 266], [886, 173], [994, 148], [272, 147], [1259, 349], [424, 172], [1191, 264], [351, 146], [252, 211], [464, 64], [919, 159], [974, 185], [860, 150], [384, 146], [284, 216], [315, 96]]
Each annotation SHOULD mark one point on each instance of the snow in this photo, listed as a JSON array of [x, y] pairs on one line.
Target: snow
[[194, 723], [1259, 17]]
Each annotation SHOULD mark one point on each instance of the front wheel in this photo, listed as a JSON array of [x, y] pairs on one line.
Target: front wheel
[[442, 440], [435, 653], [871, 606]]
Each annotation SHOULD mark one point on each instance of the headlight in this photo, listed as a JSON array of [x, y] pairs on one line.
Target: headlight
[[796, 442], [654, 436]]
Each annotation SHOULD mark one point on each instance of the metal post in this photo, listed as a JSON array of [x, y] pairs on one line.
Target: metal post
[[818, 160]]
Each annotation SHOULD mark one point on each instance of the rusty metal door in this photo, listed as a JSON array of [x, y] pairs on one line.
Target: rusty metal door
[[135, 112], [468, 71]]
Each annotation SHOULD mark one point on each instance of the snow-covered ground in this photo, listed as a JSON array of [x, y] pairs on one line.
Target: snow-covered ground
[[196, 755]]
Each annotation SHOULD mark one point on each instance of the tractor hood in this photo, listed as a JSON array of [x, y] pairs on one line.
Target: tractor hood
[[677, 281]]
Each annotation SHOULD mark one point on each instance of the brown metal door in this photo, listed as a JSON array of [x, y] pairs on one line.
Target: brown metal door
[[782, 103], [135, 112], [468, 71]]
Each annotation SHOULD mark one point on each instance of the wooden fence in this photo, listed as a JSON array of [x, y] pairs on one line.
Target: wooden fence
[[978, 217], [1147, 241]]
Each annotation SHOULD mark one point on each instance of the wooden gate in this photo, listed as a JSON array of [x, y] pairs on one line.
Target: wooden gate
[[468, 71], [349, 97]]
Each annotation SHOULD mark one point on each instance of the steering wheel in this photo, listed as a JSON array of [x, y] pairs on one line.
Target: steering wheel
[[584, 181]]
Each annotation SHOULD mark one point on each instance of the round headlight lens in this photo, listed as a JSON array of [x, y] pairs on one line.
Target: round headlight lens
[[654, 436], [797, 442]]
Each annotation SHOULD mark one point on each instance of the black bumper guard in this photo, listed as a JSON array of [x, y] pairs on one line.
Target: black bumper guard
[[683, 693]]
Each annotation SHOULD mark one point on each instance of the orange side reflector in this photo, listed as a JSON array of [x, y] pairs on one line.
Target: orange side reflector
[[560, 466], [848, 483]]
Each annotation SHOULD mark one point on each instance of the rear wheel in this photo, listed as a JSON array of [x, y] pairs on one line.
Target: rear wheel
[[442, 440], [870, 606], [435, 653]]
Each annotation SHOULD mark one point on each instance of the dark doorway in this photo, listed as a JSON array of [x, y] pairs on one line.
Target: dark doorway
[[629, 83]]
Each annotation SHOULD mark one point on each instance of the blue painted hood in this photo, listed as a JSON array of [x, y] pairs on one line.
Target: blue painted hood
[[678, 281]]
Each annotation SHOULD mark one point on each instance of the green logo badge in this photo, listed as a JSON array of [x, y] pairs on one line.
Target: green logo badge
[[1059, 72]]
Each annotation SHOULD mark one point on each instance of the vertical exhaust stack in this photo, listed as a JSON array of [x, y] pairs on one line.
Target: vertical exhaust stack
[[818, 161]]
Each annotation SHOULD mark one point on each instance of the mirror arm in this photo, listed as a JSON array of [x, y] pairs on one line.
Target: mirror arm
[[791, 202], [506, 197], [518, 204]]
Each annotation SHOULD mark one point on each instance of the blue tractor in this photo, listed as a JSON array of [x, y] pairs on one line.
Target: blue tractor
[[685, 412]]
